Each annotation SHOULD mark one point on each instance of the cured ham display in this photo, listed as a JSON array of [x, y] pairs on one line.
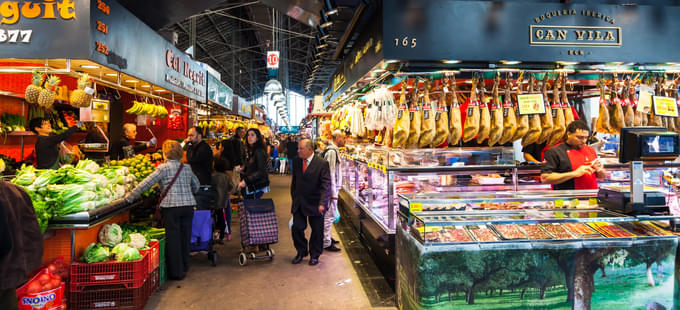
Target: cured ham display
[[566, 106], [628, 113], [655, 120], [509, 115], [415, 118], [455, 125], [441, 119], [616, 110], [522, 120], [496, 112], [484, 114], [471, 127], [602, 124], [547, 125], [534, 122], [428, 124], [640, 118], [559, 123], [402, 123], [677, 100]]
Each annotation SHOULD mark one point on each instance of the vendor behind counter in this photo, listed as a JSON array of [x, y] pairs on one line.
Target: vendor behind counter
[[123, 148], [48, 147]]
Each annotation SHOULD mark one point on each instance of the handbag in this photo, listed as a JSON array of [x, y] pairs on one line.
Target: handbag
[[158, 217]]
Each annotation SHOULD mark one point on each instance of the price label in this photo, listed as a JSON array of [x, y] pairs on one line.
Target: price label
[[531, 104], [416, 207], [665, 106], [559, 203], [432, 229], [645, 101], [592, 202], [559, 215]]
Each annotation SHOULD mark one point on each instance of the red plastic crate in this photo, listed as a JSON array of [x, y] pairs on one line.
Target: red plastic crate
[[153, 254], [155, 281], [127, 274], [110, 297]]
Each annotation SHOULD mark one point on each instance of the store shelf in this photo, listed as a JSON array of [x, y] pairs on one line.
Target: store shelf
[[86, 220]]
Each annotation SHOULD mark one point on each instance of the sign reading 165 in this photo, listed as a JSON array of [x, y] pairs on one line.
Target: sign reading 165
[[405, 42]]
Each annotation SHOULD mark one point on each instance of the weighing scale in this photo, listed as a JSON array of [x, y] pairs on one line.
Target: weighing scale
[[637, 146]]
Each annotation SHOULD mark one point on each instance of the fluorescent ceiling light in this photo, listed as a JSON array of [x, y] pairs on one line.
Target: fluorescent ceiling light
[[111, 74], [332, 12], [327, 24], [90, 66], [451, 61], [146, 86], [568, 63], [510, 62], [131, 81], [322, 46]]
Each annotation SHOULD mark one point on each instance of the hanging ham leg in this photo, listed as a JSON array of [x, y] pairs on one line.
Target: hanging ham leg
[[471, 127], [455, 125], [402, 123], [655, 120], [484, 114], [640, 117], [628, 113], [617, 109], [566, 106], [509, 116], [522, 120], [559, 125], [534, 121], [677, 100], [496, 111], [428, 124], [441, 119], [602, 123], [547, 125], [414, 117]]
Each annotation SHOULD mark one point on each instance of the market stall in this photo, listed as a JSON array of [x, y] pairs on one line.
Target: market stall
[[431, 179]]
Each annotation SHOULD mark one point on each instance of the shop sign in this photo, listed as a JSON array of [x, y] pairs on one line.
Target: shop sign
[[241, 107], [530, 104], [219, 93], [44, 29], [258, 113], [123, 42], [273, 60], [665, 106], [490, 31]]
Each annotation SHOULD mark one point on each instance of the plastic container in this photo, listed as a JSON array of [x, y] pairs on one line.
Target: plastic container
[[161, 251], [127, 274], [40, 292], [110, 297], [154, 282], [163, 272], [153, 256]]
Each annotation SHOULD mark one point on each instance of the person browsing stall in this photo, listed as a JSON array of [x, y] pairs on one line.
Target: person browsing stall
[[332, 155], [254, 175], [199, 155], [47, 145], [123, 148], [573, 164]]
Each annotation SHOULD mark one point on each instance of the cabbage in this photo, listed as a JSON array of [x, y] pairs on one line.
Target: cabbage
[[95, 253], [136, 240], [129, 255], [119, 249], [88, 165], [110, 235]]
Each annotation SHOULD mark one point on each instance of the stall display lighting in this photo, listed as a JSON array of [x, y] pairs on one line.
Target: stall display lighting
[[111, 74], [451, 62], [146, 86], [324, 45], [510, 62], [131, 81], [90, 66], [332, 12], [568, 63]]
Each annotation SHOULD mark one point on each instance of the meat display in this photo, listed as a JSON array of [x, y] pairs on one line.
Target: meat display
[[484, 114], [640, 116], [558, 231], [616, 109], [547, 125], [496, 111], [522, 120], [441, 119], [402, 124], [655, 120], [628, 113], [534, 131], [602, 124], [566, 106], [455, 125], [414, 118], [643, 229], [580, 229], [535, 232], [509, 115], [471, 127], [509, 231], [559, 122], [482, 233], [428, 124], [448, 234], [611, 230]]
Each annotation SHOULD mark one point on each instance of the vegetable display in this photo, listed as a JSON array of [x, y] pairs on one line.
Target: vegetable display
[[110, 235], [119, 244]]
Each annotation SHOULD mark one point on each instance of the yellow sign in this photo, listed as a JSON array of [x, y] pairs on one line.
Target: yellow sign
[[645, 102], [12, 11], [416, 207], [531, 104], [559, 203], [665, 106], [338, 81], [592, 201]]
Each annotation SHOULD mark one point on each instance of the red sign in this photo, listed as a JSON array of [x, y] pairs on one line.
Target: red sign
[[273, 60]]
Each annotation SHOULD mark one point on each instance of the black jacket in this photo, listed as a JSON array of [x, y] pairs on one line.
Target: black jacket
[[309, 190], [27, 246], [233, 152], [291, 150], [47, 148], [255, 171], [200, 157], [122, 149]]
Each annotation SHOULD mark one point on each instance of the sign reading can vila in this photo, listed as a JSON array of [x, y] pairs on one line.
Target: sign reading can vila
[[531, 32], [44, 29]]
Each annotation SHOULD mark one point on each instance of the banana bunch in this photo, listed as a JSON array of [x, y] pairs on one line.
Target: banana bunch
[[142, 108]]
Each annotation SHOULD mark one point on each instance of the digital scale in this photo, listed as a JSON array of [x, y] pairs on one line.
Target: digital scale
[[637, 146]]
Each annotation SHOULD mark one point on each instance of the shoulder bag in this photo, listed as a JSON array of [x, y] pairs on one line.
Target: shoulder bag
[[158, 217]]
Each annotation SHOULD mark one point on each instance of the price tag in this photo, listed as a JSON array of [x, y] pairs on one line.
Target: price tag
[[645, 101], [416, 207], [530, 104], [432, 228], [559, 215], [421, 230], [592, 202], [665, 106], [592, 214], [559, 203]]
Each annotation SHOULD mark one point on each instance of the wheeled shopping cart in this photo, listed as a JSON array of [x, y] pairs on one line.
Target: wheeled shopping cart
[[259, 229]]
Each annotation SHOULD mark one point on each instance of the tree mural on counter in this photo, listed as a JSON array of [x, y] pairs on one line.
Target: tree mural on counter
[[652, 252]]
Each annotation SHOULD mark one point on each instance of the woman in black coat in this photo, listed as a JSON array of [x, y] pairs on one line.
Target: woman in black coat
[[254, 175]]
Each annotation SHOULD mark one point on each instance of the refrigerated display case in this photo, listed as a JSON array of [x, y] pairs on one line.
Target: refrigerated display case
[[588, 258]]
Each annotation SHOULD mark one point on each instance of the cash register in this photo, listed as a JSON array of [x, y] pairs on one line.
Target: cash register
[[637, 146]]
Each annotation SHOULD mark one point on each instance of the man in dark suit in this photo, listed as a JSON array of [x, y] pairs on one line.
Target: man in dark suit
[[309, 192]]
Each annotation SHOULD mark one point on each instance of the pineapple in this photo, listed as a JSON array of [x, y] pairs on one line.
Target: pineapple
[[46, 98], [33, 90], [79, 98]]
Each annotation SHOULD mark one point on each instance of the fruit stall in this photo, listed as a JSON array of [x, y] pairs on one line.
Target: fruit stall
[[432, 179]]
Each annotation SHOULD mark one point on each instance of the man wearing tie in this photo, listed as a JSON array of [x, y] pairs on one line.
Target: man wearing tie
[[309, 192]]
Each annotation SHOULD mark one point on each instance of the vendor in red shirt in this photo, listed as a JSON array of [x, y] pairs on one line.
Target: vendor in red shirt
[[572, 164]]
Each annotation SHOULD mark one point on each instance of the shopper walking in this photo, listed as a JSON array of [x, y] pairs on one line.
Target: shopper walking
[[199, 155], [283, 160], [254, 176], [222, 211], [233, 152], [309, 191], [332, 155], [21, 246], [178, 184], [291, 151]]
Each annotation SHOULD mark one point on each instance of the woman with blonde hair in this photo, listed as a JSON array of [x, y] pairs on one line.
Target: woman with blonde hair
[[178, 185]]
